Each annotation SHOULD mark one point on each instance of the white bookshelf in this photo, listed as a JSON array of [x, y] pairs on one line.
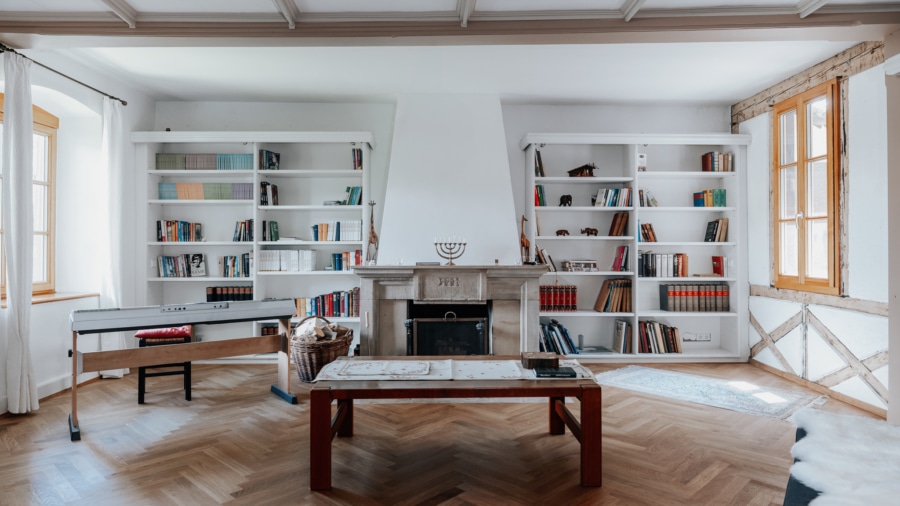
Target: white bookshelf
[[314, 167], [673, 173]]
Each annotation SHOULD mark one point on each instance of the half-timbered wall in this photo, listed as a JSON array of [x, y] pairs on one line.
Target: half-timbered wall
[[838, 343]]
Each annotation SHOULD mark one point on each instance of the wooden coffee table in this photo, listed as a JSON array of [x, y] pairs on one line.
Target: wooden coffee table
[[323, 427]]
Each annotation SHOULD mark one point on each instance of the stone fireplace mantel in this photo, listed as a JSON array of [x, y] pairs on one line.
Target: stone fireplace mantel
[[512, 290]]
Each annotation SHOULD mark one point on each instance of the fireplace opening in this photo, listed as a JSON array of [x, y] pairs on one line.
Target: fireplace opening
[[448, 329]]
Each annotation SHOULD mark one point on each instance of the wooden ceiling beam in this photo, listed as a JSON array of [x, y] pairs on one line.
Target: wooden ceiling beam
[[124, 11]]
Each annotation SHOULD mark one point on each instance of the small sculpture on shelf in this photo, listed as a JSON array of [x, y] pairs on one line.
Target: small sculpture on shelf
[[589, 231], [586, 170], [524, 244], [565, 201], [562, 232], [372, 247]]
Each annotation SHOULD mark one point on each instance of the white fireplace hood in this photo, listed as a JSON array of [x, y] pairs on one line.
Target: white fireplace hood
[[449, 175]]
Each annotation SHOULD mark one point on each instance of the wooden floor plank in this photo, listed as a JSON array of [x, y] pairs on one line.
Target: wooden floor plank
[[237, 443]]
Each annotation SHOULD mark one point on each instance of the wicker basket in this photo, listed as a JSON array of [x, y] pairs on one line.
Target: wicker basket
[[311, 356]]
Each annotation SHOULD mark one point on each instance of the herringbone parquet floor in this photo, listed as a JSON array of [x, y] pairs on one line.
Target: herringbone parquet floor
[[237, 443]]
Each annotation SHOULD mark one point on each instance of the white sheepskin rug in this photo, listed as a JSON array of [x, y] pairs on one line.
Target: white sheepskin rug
[[851, 460]]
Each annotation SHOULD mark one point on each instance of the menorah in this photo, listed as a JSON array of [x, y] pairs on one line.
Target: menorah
[[450, 249]]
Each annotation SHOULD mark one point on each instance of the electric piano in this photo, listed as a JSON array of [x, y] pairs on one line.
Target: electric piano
[[95, 321]]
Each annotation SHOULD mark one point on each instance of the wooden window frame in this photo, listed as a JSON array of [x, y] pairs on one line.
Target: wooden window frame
[[832, 285], [47, 124]]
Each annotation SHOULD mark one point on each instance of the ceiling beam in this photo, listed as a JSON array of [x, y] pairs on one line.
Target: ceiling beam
[[807, 7], [124, 11], [464, 9], [288, 9], [630, 8]]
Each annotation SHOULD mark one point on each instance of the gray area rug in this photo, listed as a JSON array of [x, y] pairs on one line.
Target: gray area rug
[[734, 395]]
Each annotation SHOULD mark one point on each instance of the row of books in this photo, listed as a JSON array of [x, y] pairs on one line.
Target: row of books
[[287, 260], [694, 297], [345, 260], [222, 293], [178, 231], [656, 337], [269, 160], [613, 197], [342, 230], [554, 338], [715, 161], [646, 199], [270, 230], [716, 230], [204, 161], [647, 234], [342, 304], [558, 297], [243, 231], [614, 296], [268, 194], [619, 224], [357, 158], [353, 196], [714, 197], [205, 191], [539, 199], [620, 261], [662, 265], [236, 266], [187, 265], [622, 337]]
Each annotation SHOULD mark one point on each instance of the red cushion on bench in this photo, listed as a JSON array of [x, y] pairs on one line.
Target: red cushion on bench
[[165, 333]]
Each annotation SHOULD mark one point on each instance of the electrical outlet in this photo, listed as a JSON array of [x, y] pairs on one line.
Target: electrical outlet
[[704, 337]]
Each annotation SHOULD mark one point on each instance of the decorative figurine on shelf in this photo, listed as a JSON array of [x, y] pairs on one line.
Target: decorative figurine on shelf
[[372, 248], [523, 241], [589, 231], [565, 201], [586, 170], [562, 231]]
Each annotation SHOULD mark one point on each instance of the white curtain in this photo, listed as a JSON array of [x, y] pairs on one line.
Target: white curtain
[[18, 226], [111, 255]]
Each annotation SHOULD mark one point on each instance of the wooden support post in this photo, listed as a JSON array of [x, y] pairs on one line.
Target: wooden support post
[[591, 440], [320, 438]]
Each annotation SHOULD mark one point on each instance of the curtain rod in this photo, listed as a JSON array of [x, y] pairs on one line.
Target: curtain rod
[[4, 48]]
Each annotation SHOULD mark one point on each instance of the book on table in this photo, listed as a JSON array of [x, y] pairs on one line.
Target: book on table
[[555, 372]]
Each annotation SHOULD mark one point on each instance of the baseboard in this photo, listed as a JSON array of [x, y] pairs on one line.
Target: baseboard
[[846, 399]]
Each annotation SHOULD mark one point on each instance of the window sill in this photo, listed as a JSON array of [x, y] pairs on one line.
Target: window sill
[[55, 297]]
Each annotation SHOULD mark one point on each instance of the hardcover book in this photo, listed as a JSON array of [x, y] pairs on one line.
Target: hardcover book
[[555, 372]]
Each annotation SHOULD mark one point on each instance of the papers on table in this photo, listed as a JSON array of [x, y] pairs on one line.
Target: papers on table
[[449, 369]]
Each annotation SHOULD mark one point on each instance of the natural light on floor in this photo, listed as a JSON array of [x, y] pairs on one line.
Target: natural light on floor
[[768, 397]]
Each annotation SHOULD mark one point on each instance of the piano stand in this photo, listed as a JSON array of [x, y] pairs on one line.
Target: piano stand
[[183, 352]]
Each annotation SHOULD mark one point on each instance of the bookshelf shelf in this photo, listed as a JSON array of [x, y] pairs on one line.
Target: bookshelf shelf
[[312, 168], [673, 177]]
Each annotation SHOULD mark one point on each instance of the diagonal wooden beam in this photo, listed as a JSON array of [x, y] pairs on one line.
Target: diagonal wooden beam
[[873, 363], [630, 8], [288, 9], [124, 11], [464, 9], [854, 363], [807, 7], [768, 341]]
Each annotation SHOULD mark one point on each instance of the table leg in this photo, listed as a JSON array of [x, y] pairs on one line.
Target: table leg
[[557, 424], [320, 439], [591, 437], [345, 426], [74, 430]]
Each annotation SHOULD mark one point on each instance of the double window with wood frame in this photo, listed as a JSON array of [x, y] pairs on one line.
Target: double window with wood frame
[[806, 178], [44, 196]]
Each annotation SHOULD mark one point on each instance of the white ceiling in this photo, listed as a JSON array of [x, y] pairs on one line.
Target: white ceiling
[[543, 51]]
